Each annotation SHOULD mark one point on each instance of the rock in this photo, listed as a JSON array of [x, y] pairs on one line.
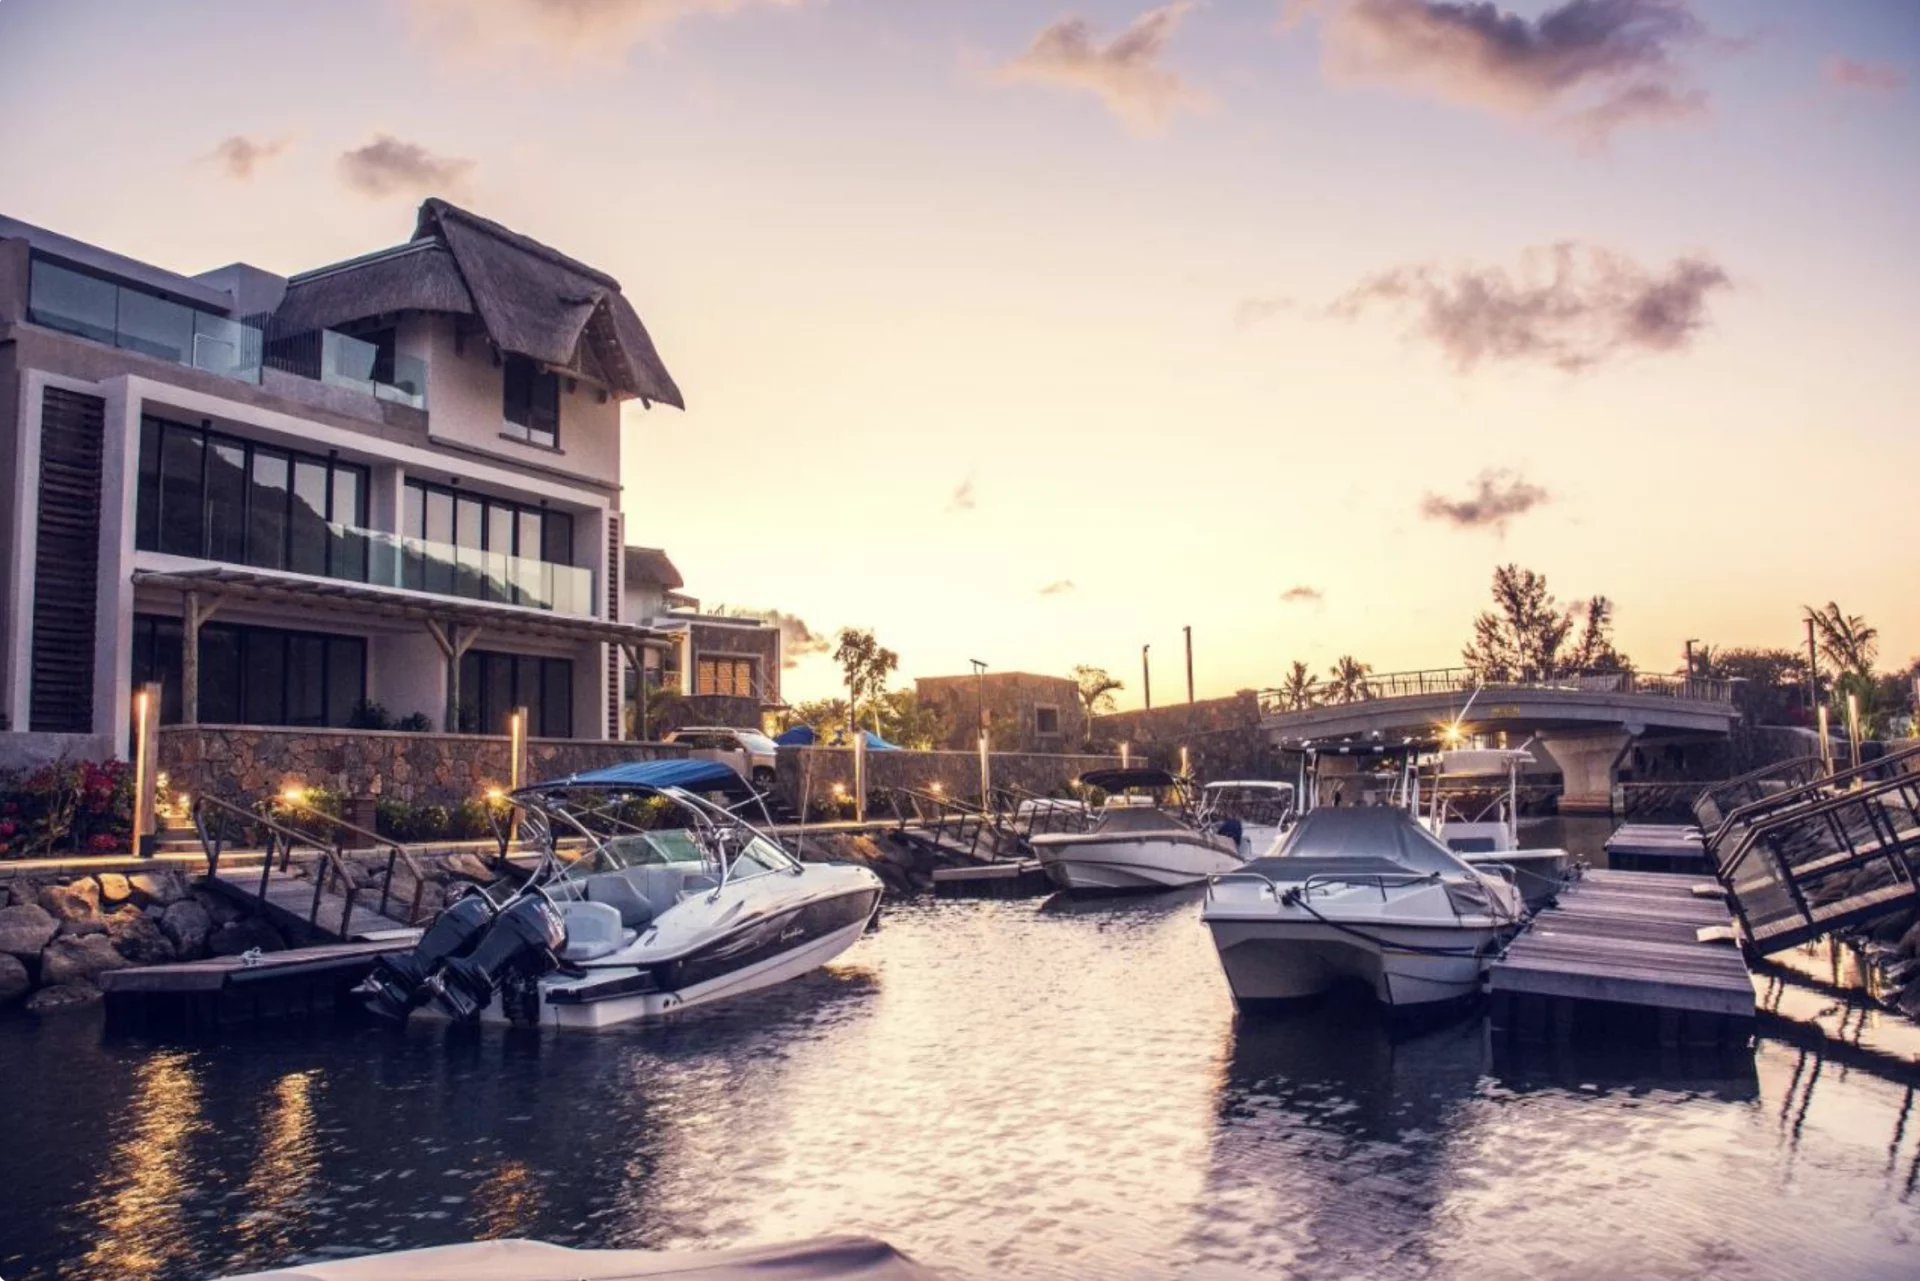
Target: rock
[[138, 937], [1909, 944], [164, 888], [236, 937], [220, 908], [1909, 1002], [114, 889], [186, 925], [24, 892], [63, 996], [468, 867], [1889, 929], [72, 958], [75, 906], [26, 929], [14, 982]]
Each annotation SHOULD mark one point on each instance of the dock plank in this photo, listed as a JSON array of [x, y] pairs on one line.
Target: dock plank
[[288, 902]]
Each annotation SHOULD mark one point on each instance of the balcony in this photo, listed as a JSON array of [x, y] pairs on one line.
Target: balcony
[[93, 307], [393, 560], [341, 360]]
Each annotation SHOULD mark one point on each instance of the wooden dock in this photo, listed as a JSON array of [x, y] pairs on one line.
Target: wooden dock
[[289, 905], [222, 991], [1009, 879], [1626, 952], [1658, 847]]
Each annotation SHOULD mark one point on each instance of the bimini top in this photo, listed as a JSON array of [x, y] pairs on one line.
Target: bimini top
[[798, 736], [1119, 780], [1370, 832], [689, 775]]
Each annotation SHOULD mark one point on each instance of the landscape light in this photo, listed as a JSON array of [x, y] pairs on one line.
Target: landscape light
[[293, 793]]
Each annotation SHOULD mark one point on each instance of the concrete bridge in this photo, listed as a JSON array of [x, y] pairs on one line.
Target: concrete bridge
[[1587, 723]]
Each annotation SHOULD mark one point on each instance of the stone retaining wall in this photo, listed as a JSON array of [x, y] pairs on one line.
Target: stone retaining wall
[[244, 762], [1222, 736], [806, 776]]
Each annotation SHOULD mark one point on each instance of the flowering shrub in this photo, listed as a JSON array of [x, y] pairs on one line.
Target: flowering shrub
[[67, 805]]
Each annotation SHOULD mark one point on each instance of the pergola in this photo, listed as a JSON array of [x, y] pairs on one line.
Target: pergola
[[454, 623]]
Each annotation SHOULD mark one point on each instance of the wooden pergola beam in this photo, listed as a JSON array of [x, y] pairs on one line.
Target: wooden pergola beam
[[194, 612], [454, 641]]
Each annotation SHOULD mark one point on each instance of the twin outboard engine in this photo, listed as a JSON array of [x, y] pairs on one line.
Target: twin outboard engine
[[400, 983], [523, 944]]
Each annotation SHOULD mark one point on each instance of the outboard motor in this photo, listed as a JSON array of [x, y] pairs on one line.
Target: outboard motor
[[398, 984], [523, 944]]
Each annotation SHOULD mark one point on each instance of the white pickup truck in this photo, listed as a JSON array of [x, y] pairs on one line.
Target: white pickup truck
[[751, 753]]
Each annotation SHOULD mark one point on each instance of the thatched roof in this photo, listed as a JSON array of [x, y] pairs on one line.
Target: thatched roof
[[650, 565], [533, 301]]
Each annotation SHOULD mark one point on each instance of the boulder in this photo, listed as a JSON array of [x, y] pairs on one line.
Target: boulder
[[165, 887], [63, 996], [186, 925], [25, 929], [220, 908], [75, 906], [75, 958], [468, 867], [23, 892], [114, 889], [14, 982], [1909, 1002], [138, 937], [1909, 944], [236, 937]]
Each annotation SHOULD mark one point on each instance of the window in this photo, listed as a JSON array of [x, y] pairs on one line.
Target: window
[[500, 547], [531, 402], [255, 675], [492, 685], [133, 319], [730, 677], [213, 496], [1046, 721]]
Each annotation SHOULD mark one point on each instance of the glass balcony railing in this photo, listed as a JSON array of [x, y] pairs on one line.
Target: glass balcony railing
[[133, 320], [393, 560], [341, 360]]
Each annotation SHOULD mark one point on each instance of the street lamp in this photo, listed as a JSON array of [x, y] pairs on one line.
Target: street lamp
[[1146, 676], [1690, 643], [980, 685]]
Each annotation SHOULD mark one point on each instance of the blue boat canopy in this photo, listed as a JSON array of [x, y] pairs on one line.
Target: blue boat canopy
[[690, 775], [798, 736]]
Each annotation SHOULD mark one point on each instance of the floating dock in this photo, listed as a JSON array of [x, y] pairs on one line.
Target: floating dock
[[1627, 952], [222, 991], [1658, 847], [1008, 879]]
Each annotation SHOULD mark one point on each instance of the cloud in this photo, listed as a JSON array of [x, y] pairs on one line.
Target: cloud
[[1124, 73], [962, 500], [1569, 306], [1251, 311], [388, 167], [239, 156], [563, 31], [1864, 77], [797, 640], [1302, 594], [1498, 496], [1058, 587], [1585, 67]]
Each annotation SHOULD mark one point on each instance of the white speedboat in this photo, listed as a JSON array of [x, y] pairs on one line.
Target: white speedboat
[[1255, 813], [658, 914], [1359, 894], [1490, 837], [1134, 843]]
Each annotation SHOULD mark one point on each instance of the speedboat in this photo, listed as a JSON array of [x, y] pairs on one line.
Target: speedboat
[[670, 900], [1134, 842], [1255, 813], [1489, 837], [1363, 893]]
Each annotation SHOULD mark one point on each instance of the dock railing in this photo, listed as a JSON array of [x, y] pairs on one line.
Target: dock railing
[[212, 819], [1464, 680], [1783, 787], [397, 855]]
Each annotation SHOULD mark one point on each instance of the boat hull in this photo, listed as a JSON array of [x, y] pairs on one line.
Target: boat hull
[[1117, 866], [1272, 963]]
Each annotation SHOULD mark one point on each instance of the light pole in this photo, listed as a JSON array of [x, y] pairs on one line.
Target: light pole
[[1189, 633], [1146, 676], [980, 686], [1813, 670], [1691, 642]]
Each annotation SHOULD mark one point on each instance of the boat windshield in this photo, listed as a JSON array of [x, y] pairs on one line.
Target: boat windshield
[[1255, 802], [758, 857], [641, 849]]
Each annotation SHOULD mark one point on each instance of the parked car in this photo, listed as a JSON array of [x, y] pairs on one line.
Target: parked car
[[750, 753]]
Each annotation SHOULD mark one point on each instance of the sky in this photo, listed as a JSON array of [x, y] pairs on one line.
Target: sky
[[1033, 332]]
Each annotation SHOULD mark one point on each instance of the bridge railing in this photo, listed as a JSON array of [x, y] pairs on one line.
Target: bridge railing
[[1463, 680]]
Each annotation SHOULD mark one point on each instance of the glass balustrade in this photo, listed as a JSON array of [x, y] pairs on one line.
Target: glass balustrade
[[134, 320], [392, 560]]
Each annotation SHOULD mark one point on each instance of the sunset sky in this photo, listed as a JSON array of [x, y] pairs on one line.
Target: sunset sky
[[1031, 333]]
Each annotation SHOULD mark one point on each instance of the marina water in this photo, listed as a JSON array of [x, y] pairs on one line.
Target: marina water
[[1018, 1088]]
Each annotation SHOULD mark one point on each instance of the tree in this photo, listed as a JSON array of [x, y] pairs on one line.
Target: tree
[[867, 664], [906, 721], [1349, 681], [1773, 681], [1845, 640], [1524, 636], [825, 716], [1301, 689], [1097, 687]]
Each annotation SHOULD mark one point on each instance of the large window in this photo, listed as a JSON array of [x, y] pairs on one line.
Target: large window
[[492, 685], [208, 495], [255, 675], [495, 548], [92, 306], [531, 403], [732, 677]]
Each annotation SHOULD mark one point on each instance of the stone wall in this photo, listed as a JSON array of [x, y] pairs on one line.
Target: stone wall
[[1222, 736], [1013, 702], [245, 762], [807, 775]]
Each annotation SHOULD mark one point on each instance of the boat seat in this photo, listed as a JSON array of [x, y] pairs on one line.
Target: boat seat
[[617, 891], [593, 931]]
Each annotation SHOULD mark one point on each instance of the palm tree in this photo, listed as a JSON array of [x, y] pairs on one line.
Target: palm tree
[[1349, 681], [1301, 689], [1845, 639]]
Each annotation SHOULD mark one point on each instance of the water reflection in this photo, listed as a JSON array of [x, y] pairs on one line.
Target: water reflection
[[283, 1171], [137, 1226]]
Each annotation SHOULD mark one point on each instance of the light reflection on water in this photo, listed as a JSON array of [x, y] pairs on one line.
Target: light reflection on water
[[1017, 1088]]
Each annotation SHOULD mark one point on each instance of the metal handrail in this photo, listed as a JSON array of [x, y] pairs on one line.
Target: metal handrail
[[395, 852], [1752, 811], [286, 837], [1463, 680], [1821, 808]]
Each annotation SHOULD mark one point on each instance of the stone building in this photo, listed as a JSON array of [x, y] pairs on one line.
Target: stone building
[[1025, 712], [724, 669]]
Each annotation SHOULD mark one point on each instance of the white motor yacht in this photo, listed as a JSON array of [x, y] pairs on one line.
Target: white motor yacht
[[1254, 812], [1134, 842], [675, 902], [1490, 838], [1363, 893]]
